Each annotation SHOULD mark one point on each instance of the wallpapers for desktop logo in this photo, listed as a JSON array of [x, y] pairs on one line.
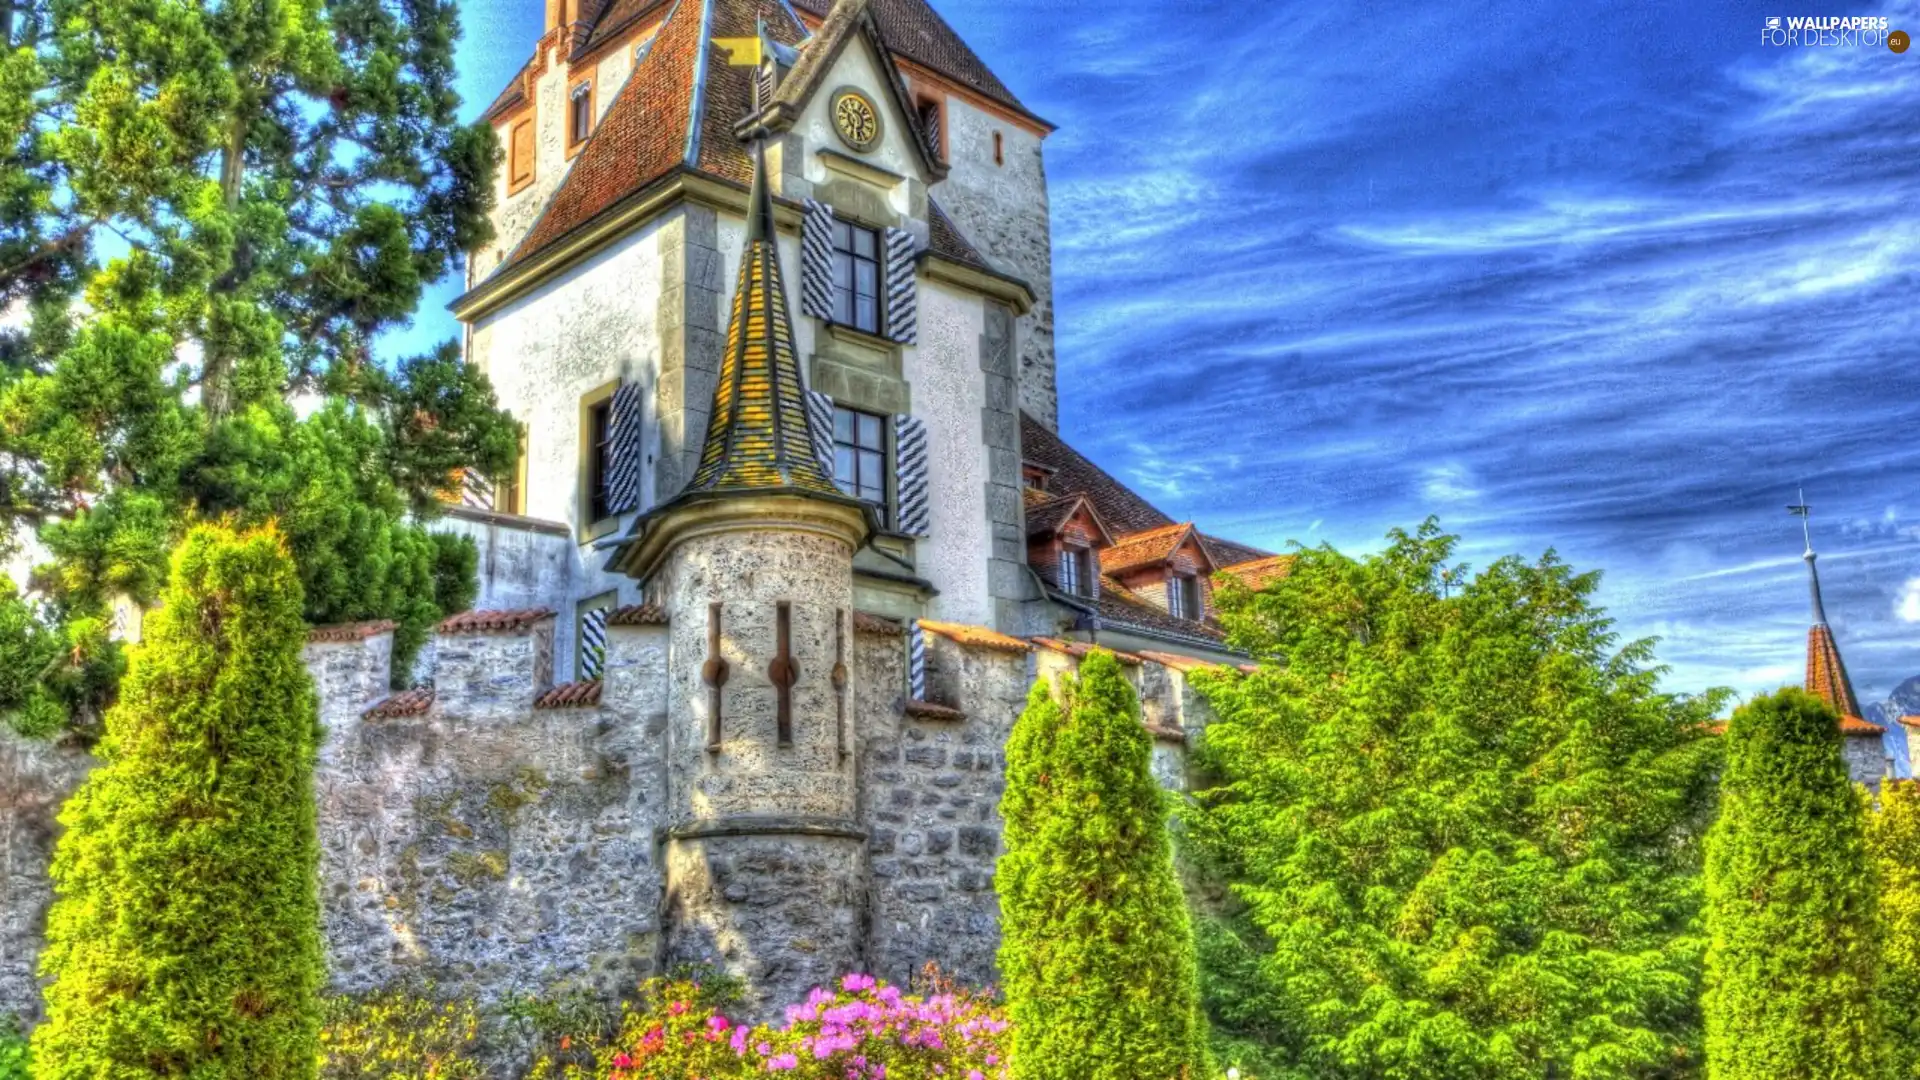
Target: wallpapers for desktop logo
[[1832, 32]]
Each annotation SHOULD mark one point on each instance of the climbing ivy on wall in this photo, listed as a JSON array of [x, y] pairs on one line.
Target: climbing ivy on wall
[[184, 938]]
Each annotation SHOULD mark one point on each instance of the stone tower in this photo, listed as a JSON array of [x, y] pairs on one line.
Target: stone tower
[[765, 860]]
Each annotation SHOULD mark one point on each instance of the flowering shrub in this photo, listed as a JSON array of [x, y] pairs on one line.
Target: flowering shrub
[[864, 1030], [399, 1035]]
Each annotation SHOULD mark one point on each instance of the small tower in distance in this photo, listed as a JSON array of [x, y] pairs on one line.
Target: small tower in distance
[[765, 861], [1863, 741]]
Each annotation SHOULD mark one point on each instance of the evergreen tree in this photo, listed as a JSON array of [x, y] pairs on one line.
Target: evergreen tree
[[1791, 904], [1455, 832], [241, 198], [184, 938], [1894, 836], [1096, 950]]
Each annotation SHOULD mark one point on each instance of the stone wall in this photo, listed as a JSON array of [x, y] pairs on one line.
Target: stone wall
[[35, 779], [1003, 208], [931, 779]]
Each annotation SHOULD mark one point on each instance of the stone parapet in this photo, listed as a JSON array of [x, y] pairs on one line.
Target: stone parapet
[[493, 664]]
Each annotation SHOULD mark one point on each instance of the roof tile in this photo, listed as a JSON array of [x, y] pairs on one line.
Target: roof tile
[[350, 632], [407, 703], [1080, 650], [1260, 573], [639, 615], [1144, 548], [577, 695], [914, 30], [927, 710], [977, 636], [864, 623], [496, 622], [1185, 665]]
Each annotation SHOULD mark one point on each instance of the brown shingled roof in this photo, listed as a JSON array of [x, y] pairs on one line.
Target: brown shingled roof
[[1827, 679], [1047, 515], [864, 623], [1144, 548], [407, 703], [639, 615], [914, 30], [1119, 507], [946, 240], [1261, 572], [350, 632], [579, 695], [1225, 553], [1120, 608], [495, 622]]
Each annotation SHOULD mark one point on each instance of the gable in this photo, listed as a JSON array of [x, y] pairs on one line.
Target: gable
[[848, 54]]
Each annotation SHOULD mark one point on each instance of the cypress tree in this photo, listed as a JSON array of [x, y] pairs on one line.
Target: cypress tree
[[1894, 835], [1097, 951], [1791, 904], [184, 938]]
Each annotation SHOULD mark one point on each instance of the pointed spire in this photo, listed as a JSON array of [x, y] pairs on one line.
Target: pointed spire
[[1826, 672], [758, 438]]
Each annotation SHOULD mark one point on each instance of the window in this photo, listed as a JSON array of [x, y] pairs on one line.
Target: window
[[520, 154], [599, 460], [1075, 570], [860, 454], [999, 149], [1183, 598], [856, 277], [510, 495], [933, 124], [580, 114]]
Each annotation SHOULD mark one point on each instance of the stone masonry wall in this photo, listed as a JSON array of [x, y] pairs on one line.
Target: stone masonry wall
[[35, 778], [931, 781]]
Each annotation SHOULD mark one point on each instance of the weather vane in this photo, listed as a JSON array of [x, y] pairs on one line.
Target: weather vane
[[1804, 512]]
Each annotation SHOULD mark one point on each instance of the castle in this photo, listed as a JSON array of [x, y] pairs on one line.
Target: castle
[[792, 535]]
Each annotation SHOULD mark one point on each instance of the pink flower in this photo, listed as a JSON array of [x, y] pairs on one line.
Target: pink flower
[[783, 1063], [622, 1061]]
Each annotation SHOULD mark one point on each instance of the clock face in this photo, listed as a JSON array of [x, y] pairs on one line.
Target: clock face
[[856, 120]]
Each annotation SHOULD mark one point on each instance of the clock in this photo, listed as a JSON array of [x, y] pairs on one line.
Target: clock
[[856, 120]]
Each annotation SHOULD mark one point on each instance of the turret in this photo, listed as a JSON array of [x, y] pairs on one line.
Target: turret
[[753, 564]]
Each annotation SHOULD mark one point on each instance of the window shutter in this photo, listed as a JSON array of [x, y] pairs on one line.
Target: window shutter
[[476, 491], [903, 314], [816, 261], [930, 123], [916, 662], [626, 450], [593, 644], [820, 427], [915, 509]]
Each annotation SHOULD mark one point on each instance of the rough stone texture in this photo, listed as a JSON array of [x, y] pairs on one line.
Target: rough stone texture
[[949, 392], [350, 677], [484, 676], [930, 793], [1018, 604], [1867, 760], [35, 778], [496, 849], [1004, 210]]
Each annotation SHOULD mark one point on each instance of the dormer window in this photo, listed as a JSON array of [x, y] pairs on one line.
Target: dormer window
[[580, 114], [1183, 597], [1076, 571], [856, 276]]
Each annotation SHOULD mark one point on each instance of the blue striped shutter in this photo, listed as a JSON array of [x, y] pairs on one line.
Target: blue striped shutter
[[820, 428], [903, 302], [593, 644], [916, 662], [627, 451], [476, 491], [914, 513], [816, 261]]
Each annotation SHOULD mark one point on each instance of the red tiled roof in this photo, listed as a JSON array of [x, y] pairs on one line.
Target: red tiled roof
[[1183, 664], [639, 615], [912, 29], [1080, 650], [1144, 548], [863, 623], [1827, 675], [614, 17], [349, 632], [1854, 725], [1119, 607], [579, 695], [927, 710], [1260, 573], [407, 703], [1048, 514], [1910, 721], [495, 622], [978, 636]]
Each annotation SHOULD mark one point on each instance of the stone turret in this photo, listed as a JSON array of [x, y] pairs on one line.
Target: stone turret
[[752, 565]]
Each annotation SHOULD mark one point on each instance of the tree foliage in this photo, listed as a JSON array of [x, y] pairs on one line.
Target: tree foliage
[[1456, 831], [211, 212], [1894, 837], [1791, 904], [184, 937], [1097, 949]]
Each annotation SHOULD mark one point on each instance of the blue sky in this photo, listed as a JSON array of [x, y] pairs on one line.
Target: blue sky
[[1610, 278]]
